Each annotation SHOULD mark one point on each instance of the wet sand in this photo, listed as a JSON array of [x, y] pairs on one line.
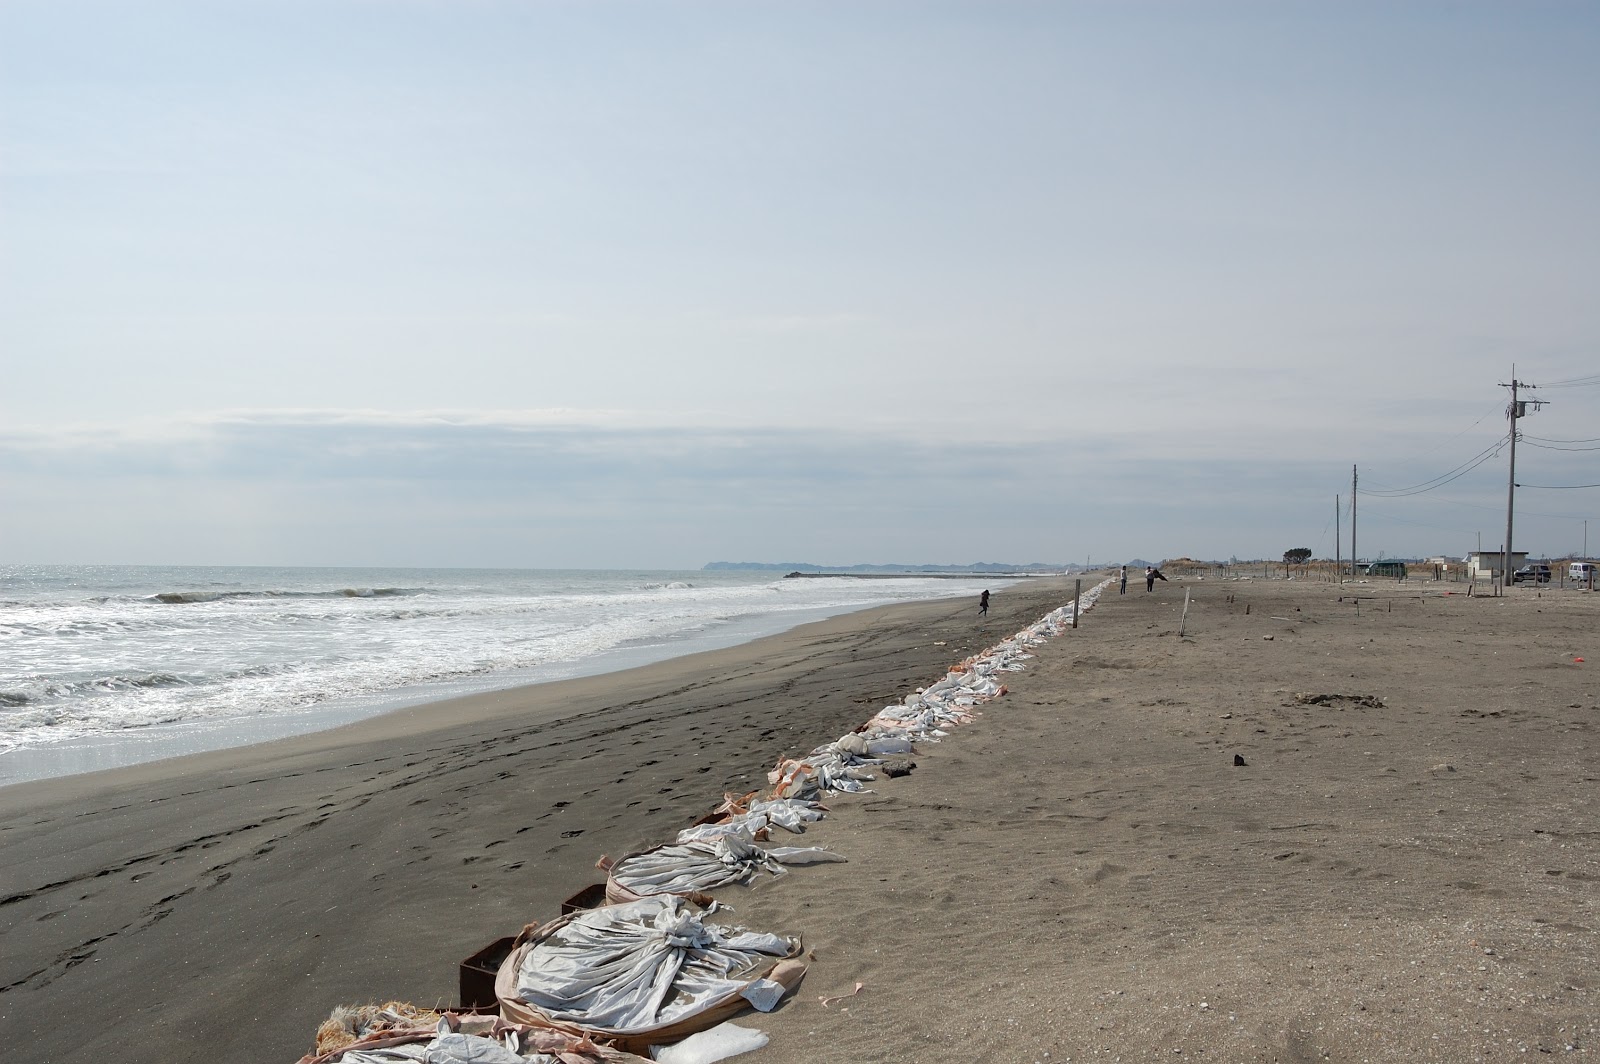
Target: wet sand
[[1085, 873]]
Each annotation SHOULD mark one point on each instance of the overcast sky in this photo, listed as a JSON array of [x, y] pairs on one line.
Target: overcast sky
[[654, 284]]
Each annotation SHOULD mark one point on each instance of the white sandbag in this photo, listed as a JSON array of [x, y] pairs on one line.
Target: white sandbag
[[457, 1048], [791, 814], [707, 1047], [764, 994], [852, 744], [743, 824], [804, 855], [405, 1054], [640, 966]]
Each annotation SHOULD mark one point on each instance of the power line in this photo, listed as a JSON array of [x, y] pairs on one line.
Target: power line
[[1494, 409], [1591, 381], [1556, 487], [1443, 478], [1556, 439], [1555, 447]]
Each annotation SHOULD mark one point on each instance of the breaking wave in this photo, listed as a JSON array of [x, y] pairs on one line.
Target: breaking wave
[[92, 651], [181, 597]]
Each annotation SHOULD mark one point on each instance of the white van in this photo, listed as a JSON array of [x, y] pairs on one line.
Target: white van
[[1580, 572]]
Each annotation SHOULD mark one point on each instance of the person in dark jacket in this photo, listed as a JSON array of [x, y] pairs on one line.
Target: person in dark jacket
[[983, 602]]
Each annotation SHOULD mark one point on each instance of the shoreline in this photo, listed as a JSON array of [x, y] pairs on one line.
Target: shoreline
[[479, 708], [159, 742], [1206, 843], [222, 903]]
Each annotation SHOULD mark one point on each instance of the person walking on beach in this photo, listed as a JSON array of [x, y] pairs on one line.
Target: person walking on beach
[[1151, 575], [1123, 589], [983, 602]]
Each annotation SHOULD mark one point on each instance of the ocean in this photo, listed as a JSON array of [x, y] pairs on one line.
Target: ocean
[[102, 666]]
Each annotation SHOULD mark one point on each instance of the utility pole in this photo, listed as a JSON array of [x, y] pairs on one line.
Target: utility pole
[[1352, 522], [1338, 547], [1517, 409], [1511, 486]]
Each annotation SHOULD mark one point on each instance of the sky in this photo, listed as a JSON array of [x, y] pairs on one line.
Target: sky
[[653, 284]]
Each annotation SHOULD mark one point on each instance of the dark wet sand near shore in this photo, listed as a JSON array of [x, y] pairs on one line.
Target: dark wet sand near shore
[[1082, 874]]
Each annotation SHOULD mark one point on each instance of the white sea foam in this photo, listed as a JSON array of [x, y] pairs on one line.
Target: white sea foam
[[101, 651]]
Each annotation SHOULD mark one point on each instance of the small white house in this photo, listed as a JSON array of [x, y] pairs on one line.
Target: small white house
[[1485, 564]]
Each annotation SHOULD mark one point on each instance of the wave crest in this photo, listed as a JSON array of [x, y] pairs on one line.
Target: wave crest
[[178, 598]]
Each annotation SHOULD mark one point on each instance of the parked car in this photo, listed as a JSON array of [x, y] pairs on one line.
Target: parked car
[[1580, 572], [1387, 567], [1531, 574]]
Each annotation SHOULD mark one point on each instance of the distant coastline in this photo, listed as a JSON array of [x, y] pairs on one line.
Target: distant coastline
[[895, 569], [967, 575]]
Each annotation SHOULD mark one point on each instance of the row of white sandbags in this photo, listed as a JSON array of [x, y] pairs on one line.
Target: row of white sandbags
[[647, 971], [701, 864], [925, 715]]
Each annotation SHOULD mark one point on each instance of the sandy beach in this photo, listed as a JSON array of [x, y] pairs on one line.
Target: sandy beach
[[1406, 865]]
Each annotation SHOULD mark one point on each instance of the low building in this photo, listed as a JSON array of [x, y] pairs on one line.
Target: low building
[[1486, 564]]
